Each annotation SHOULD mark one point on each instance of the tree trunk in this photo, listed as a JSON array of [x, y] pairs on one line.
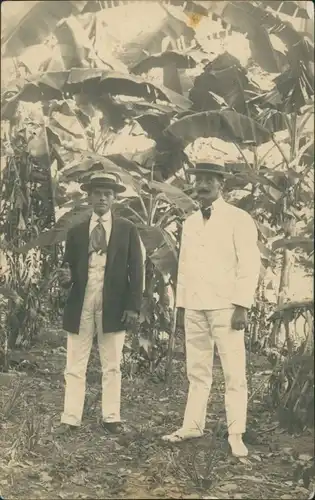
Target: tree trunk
[[283, 292], [289, 227], [171, 347], [285, 276], [309, 342]]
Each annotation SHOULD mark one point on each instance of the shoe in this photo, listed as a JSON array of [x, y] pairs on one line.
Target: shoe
[[238, 448], [113, 427], [66, 429], [182, 435]]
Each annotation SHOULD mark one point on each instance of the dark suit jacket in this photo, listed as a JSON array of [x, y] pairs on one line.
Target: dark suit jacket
[[123, 279]]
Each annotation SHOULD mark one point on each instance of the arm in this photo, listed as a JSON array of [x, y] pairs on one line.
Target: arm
[[248, 261], [180, 289], [135, 266]]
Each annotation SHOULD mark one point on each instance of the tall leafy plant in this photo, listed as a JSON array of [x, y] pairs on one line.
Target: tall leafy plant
[[157, 208], [223, 102], [27, 207]]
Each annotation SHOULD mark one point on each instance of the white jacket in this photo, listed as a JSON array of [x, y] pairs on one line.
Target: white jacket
[[219, 261]]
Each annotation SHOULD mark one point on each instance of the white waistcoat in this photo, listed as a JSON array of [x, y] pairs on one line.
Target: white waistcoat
[[97, 262]]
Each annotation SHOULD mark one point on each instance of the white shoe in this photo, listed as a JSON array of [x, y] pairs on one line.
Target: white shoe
[[237, 446], [181, 435]]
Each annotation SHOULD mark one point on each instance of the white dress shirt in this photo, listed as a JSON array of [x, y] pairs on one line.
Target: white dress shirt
[[219, 261]]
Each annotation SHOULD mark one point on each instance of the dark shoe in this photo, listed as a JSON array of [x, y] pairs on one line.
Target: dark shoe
[[113, 427], [65, 429]]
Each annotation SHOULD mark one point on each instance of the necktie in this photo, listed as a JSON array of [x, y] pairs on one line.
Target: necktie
[[206, 212], [98, 241]]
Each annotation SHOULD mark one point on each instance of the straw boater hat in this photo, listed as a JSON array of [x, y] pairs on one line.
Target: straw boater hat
[[107, 180], [208, 167]]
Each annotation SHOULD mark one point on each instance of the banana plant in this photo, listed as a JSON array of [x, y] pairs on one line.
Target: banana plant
[[157, 207], [27, 208], [280, 193], [223, 102]]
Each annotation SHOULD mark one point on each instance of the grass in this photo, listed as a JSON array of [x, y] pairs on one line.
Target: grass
[[34, 463]]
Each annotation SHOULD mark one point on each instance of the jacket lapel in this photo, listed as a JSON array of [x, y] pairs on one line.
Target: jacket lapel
[[84, 249], [113, 243]]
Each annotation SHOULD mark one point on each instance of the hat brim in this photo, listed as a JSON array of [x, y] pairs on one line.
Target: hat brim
[[196, 171], [117, 188]]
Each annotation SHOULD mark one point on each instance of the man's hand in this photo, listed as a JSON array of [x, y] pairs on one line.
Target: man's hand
[[180, 318], [130, 319], [64, 275], [239, 318]]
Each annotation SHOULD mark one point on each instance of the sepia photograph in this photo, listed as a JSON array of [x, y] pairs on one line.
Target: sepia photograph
[[157, 250]]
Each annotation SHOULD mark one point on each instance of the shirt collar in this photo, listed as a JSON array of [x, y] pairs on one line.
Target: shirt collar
[[104, 218], [217, 203]]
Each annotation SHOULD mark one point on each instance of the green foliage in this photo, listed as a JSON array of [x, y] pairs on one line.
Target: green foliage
[[27, 208], [291, 388]]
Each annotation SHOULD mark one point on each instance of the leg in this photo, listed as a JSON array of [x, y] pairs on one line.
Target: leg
[[231, 349], [199, 354], [110, 348], [78, 353]]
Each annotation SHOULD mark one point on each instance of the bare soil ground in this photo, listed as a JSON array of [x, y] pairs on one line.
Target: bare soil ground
[[35, 463]]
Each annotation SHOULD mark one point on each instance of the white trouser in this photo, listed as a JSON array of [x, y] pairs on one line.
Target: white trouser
[[78, 353], [203, 329]]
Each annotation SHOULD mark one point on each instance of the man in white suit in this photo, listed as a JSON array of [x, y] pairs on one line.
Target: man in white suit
[[218, 272]]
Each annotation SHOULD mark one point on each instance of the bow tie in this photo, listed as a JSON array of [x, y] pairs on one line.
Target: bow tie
[[206, 212]]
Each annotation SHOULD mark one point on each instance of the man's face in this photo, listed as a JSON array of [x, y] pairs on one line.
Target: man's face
[[101, 199], [209, 187]]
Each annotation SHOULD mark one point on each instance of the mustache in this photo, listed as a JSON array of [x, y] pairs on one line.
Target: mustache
[[202, 190]]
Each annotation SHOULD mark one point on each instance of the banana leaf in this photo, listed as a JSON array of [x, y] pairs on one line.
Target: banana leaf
[[29, 23], [175, 196], [265, 252], [162, 60], [293, 243], [165, 258], [226, 78], [54, 85], [8, 293], [259, 23], [286, 309], [266, 231], [80, 170], [227, 125], [152, 237], [153, 123], [289, 7], [59, 232]]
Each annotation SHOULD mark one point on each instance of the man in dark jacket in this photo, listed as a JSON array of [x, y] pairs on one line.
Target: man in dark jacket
[[104, 268]]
